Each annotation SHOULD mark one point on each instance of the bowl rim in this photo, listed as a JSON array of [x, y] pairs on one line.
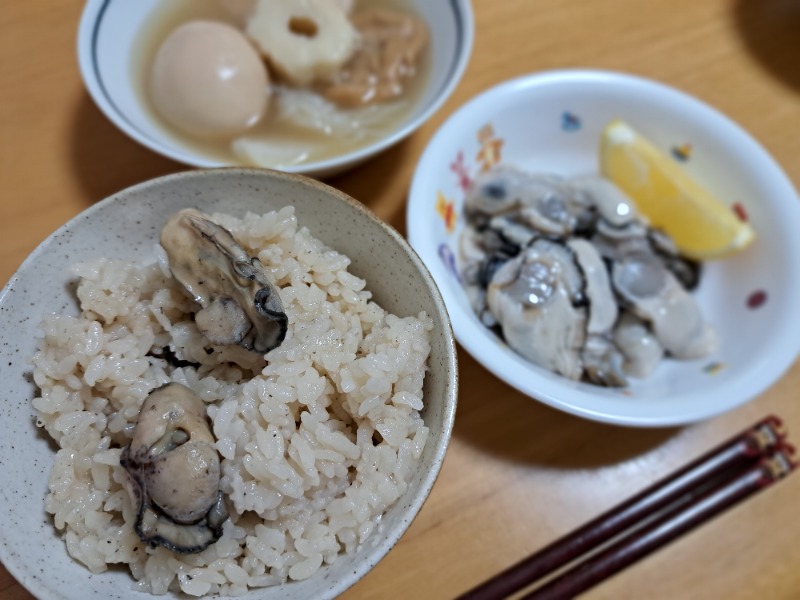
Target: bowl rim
[[88, 32], [555, 393], [441, 440]]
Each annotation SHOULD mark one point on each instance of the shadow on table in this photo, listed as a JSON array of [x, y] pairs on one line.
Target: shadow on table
[[105, 160], [770, 30], [513, 427], [379, 184]]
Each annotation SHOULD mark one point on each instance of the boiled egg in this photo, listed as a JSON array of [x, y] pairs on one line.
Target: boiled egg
[[208, 80]]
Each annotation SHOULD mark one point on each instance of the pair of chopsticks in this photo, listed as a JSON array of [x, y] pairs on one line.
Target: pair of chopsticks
[[731, 472]]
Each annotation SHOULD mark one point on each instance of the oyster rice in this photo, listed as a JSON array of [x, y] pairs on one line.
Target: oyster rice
[[574, 279], [235, 415]]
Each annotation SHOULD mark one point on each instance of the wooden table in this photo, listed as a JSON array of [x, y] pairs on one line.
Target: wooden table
[[517, 474]]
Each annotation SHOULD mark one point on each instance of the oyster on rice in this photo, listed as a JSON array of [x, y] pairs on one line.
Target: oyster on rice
[[314, 446], [240, 305], [174, 472], [575, 280]]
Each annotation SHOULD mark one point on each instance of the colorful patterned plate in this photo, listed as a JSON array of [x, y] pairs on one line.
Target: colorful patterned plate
[[551, 122]]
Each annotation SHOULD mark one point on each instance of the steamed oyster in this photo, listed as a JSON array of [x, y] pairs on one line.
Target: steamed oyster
[[535, 298], [638, 345], [174, 472], [655, 295], [542, 202], [239, 304], [574, 278]]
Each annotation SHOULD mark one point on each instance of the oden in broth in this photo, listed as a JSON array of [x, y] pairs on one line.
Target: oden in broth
[[275, 140]]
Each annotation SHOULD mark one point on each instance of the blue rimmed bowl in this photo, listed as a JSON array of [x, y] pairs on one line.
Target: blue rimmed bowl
[[551, 122], [109, 45]]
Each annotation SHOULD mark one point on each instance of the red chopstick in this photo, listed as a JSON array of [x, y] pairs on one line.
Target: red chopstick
[[679, 489], [640, 543]]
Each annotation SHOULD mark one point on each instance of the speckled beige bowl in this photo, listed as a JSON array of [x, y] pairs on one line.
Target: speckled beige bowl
[[126, 225]]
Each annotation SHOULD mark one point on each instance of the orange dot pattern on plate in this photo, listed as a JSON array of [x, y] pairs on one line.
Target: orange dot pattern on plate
[[491, 148], [446, 210]]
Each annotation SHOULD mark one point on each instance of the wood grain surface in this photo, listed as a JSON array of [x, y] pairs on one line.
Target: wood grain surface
[[517, 474]]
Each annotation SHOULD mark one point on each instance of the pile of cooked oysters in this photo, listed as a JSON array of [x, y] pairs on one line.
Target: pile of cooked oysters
[[574, 279]]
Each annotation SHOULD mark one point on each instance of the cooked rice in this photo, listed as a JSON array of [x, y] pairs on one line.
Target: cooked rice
[[316, 442]]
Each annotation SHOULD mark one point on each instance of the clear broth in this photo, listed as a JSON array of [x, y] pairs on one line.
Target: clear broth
[[317, 145]]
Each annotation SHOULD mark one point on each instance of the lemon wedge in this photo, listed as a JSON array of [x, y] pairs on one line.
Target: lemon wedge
[[701, 225]]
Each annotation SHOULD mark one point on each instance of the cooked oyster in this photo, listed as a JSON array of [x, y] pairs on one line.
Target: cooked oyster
[[655, 295], [475, 259], [543, 202], [686, 270], [615, 242], [513, 234], [534, 298], [239, 303], [638, 345], [602, 304], [174, 472], [611, 203], [603, 364]]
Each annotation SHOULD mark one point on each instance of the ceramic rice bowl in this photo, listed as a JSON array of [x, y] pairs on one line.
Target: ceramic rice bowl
[[125, 226]]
